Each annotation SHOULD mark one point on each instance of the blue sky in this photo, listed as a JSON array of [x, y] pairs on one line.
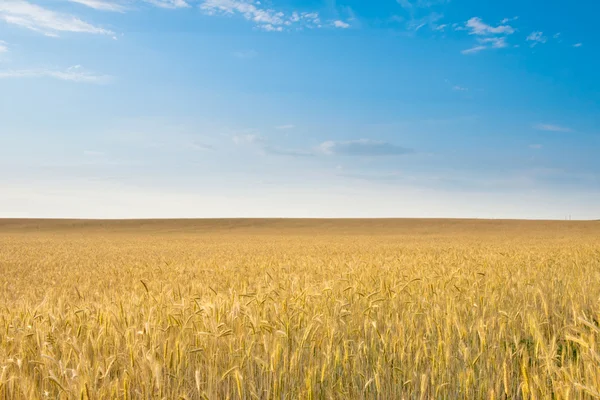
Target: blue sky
[[289, 108]]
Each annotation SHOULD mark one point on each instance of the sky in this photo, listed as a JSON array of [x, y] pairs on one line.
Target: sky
[[299, 108]]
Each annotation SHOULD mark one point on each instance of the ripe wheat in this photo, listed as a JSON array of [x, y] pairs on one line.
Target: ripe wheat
[[259, 311]]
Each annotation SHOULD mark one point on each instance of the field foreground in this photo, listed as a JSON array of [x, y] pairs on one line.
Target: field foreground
[[299, 309]]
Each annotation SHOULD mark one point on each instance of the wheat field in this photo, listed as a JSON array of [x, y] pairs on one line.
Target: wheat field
[[299, 309]]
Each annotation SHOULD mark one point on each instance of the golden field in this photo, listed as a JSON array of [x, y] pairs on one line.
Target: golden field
[[299, 309]]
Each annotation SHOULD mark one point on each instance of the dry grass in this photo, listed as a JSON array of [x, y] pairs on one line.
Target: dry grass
[[299, 309]]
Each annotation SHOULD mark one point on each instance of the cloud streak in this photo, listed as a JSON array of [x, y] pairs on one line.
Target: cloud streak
[[268, 19], [278, 151], [101, 5], [431, 21], [488, 36], [412, 4], [362, 147], [73, 74], [536, 38], [341, 24], [39, 19], [245, 139], [552, 128], [118, 6], [3, 47], [285, 127], [478, 27], [171, 4], [473, 50]]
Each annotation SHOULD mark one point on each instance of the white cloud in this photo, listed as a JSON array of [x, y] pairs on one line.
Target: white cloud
[[271, 28], [478, 27], [249, 10], [341, 24], [264, 18], [278, 151], [488, 37], [72, 74], [361, 147], [552, 128], [285, 127], [311, 16], [248, 138], [117, 5], [557, 35], [169, 3], [195, 145], [429, 20], [578, 45], [50, 23], [460, 88], [487, 43], [458, 27], [474, 50], [3, 47], [495, 42], [536, 38], [101, 5], [507, 20], [327, 147], [411, 4]]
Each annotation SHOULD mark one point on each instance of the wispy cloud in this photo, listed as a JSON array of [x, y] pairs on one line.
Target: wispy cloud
[[459, 88], [195, 145], [536, 38], [473, 50], [488, 36], [278, 151], [247, 138], [263, 146], [285, 127], [430, 21], [102, 5], [50, 23], [362, 147], [552, 128], [73, 74], [578, 45], [494, 42], [507, 20], [476, 26], [169, 3], [118, 5], [265, 18], [487, 43], [341, 24], [412, 4], [405, 4], [3, 46]]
